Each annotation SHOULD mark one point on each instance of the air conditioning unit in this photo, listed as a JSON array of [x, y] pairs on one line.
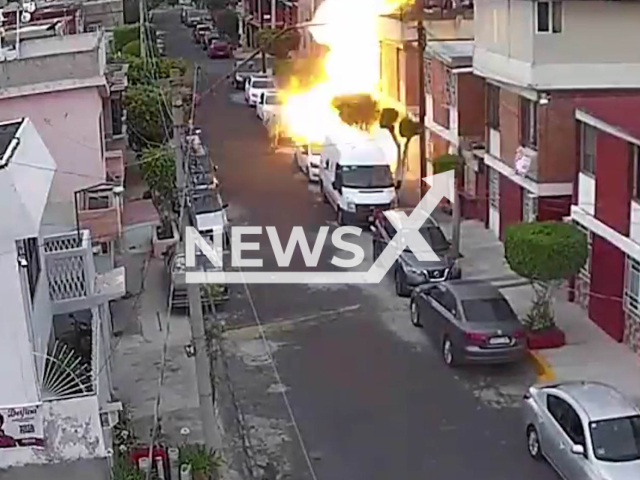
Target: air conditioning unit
[[110, 416]]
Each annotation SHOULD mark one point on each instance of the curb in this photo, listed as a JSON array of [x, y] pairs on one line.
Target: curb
[[543, 368]]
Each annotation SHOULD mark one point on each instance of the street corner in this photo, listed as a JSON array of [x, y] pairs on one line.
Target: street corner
[[541, 365]]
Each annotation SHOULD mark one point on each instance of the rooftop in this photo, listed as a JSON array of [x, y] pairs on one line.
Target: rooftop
[[60, 45], [620, 114], [457, 53]]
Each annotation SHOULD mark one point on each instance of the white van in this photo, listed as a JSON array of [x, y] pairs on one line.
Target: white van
[[356, 175]]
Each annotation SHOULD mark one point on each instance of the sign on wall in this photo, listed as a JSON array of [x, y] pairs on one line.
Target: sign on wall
[[21, 426]]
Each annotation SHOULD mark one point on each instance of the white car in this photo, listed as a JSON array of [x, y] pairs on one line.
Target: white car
[[268, 105], [307, 157], [255, 87]]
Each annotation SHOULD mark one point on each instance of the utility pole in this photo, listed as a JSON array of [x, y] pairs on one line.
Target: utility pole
[[142, 28], [196, 319], [212, 436], [274, 7], [422, 100], [264, 56], [457, 214]]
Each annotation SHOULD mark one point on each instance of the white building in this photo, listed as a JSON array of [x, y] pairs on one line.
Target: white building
[[55, 331]]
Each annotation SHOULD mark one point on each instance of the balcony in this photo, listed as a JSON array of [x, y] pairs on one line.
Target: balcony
[[73, 282], [114, 160], [99, 210]]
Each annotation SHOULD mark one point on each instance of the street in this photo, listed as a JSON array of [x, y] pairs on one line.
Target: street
[[344, 387]]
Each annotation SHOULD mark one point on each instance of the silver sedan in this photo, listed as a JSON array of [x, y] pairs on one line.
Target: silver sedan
[[585, 430]]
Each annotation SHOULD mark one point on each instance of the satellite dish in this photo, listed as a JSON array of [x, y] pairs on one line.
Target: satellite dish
[[25, 17]]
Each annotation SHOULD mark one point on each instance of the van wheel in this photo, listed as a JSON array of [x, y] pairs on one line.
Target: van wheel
[[340, 217]]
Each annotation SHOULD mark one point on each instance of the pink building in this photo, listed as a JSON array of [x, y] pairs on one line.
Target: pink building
[[64, 85]]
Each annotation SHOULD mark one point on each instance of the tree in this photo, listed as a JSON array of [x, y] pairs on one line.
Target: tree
[[147, 116], [359, 110], [159, 172], [156, 68], [407, 129], [279, 44], [227, 24], [132, 49], [545, 253], [124, 35]]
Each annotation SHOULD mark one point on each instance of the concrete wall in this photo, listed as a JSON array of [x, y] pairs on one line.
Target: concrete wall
[[593, 32], [17, 368], [108, 13], [69, 124], [44, 61], [72, 432], [505, 27]]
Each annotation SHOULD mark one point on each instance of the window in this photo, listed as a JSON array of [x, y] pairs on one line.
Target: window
[[367, 176], [445, 299], [616, 440], [28, 251], [632, 287], [528, 123], [635, 161], [427, 75], [588, 137], [488, 310], [116, 116], [450, 85], [529, 206], [493, 106], [567, 418], [548, 16]]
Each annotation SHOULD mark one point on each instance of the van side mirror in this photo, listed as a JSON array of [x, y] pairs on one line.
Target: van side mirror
[[577, 449]]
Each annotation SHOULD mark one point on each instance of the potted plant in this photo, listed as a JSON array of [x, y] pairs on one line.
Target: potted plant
[[204, 463], [546, 253]]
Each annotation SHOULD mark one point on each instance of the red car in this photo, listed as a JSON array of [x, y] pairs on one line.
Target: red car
[[219, 48]]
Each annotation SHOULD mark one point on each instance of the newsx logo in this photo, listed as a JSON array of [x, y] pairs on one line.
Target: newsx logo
[[408, 228]]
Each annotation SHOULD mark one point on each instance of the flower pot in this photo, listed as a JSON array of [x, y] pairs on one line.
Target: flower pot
[[547, 338], [161, 242]]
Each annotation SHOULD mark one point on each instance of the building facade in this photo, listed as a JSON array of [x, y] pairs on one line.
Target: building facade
[[74, 98], [55, 358], [286, 15], [537, 67]]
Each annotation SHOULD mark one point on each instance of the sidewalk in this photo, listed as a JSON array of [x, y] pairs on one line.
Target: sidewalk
[[138, 356], [590, 354]]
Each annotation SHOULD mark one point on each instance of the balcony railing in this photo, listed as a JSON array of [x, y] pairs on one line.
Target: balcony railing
[[73, 282]]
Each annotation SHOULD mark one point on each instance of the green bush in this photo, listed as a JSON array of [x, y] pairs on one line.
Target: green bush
[[158, 167], [200, 458], [545, 251], [445, 162], [278, 47], [146, 73], [132, 49], [125, 35]]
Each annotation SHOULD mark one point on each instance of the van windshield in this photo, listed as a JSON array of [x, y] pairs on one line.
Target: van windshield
[[367, 176]]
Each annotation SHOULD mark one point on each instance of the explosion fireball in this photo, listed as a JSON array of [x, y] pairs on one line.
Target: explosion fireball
[[350, 31]]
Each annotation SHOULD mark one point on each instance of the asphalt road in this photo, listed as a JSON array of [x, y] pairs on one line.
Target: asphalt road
[[358, 389]]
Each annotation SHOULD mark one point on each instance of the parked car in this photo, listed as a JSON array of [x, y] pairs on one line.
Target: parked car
[[268, 104], [175, 269], [219, 48], [307, 157], [206, 39], [249, 68], [200, 31], [470, 321], [193, 17], [409, 271], [586, 430], [256, 85]]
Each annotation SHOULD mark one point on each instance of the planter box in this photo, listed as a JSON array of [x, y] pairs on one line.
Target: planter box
[[547, 338], [161, 245]]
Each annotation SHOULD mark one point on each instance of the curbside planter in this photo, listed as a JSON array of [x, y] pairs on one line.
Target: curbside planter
[[160, 245], [547, 338]]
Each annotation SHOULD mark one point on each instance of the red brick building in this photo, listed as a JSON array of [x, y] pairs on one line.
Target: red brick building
[[606, 205]]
